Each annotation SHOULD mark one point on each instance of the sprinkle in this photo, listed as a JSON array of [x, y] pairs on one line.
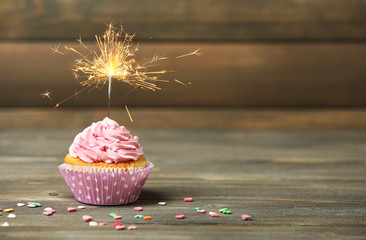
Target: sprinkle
[[93, 224], [222, 210], [201, 211], [139, 216], [0, 213], [215, 215], [212, 213], [117, 224], [137, 208], [102, 223], [188, 199], [37, 204], [11, 215], [113, 214], [87, 219], [226, 212], [47, 213], [132, 227], [47, 209], [0, 209], [52, 211], [32, 206], [119, 227], [81, 207], [21, 204], [147, 218], [5, 224], [117, 216], [162, 203], [8, 210], [71, 209], [179, 216], [197, 208], [29, 203], [246, 217]]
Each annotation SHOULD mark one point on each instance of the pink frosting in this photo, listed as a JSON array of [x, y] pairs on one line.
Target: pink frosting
[[105, 141]]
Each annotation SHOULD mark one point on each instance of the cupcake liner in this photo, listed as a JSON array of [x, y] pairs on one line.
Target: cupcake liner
[[104, 186]]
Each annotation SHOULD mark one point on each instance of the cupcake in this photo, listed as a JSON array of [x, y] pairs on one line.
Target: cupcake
[[105, 165]]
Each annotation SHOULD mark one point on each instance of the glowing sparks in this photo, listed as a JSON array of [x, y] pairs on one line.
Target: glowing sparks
[[47, 95], [128, 112], [180, 82], [195, 52]]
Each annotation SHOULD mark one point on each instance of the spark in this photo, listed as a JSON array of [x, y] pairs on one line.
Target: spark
[[195, 52], [47, 95], [128, 113], [56, 49], [180, 82]]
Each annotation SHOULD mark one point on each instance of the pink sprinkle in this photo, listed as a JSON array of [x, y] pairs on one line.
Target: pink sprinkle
[[119, 227], [188, 199], [71, 209], [137, 208], [132, 227], [117, 217], [246, 217], [46, 213], [102, 223], [51, 210], [215, 215], [201, 211], [0, 209], [29, 203], [179, 216], [87, 219]]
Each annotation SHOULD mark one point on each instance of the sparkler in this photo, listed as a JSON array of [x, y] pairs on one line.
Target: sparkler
[[114, 59]]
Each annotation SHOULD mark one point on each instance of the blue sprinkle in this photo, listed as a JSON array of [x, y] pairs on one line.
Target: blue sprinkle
[[37, 204], [139, 216]]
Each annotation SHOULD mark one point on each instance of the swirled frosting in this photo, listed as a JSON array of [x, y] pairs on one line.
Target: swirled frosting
[[105, 141]]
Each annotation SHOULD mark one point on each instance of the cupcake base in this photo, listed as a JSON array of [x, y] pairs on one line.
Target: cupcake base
[[105, 186]]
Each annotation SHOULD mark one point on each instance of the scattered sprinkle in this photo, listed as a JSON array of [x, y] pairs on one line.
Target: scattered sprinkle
[[0, 209], [162, 203], [147, 218], [212, 213], [102, 223], [5, 224], [215, 215], [188, 199], [47, 209], [29, 203], [132, 227], [81, 207], [87, 219], [226, 212], [93, 224], [246, 217], [139, 216], [32, 206], [8, 210], [117, 224], [179, 216], [117, 216], [222, 210], [197, 208], [71, 209], [12, 215], [38, 204], [47, 213], [201, 211], [21, 204], [119, 227], [137, 208], [113, 214]]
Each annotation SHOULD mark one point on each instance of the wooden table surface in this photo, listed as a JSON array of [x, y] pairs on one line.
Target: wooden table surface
[[300, 174]]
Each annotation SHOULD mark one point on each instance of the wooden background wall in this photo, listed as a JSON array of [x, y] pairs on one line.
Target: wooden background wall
[[262, 53]]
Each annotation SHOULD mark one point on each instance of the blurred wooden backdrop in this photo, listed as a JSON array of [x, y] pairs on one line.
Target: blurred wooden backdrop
[[262, 53]]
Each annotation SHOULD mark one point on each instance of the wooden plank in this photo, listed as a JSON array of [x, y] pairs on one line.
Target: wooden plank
[[230, 74], [294, 183], [187, 20]]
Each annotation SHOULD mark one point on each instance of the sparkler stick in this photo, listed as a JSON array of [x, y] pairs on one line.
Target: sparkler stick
[[109, 93]]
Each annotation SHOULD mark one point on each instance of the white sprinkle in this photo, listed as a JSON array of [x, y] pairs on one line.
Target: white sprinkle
[[11, 215], [211, 213], [5, 224], [93, 224], [162, 203], [48, 209], [81, 207], [21, 204]]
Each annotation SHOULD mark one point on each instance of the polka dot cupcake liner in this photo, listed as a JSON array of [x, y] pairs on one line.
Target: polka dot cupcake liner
[[104, 186]]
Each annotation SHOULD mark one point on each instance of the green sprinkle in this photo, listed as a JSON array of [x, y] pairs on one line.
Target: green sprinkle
[[197, 208], [32, 206], [226, 212], [113, 214], [222, 210]]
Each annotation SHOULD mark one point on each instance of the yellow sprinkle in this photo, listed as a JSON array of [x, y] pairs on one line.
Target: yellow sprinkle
[[8, 210]]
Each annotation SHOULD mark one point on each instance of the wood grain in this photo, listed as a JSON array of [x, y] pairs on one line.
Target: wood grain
[[187, 20], [227, 75], [295, 183]]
